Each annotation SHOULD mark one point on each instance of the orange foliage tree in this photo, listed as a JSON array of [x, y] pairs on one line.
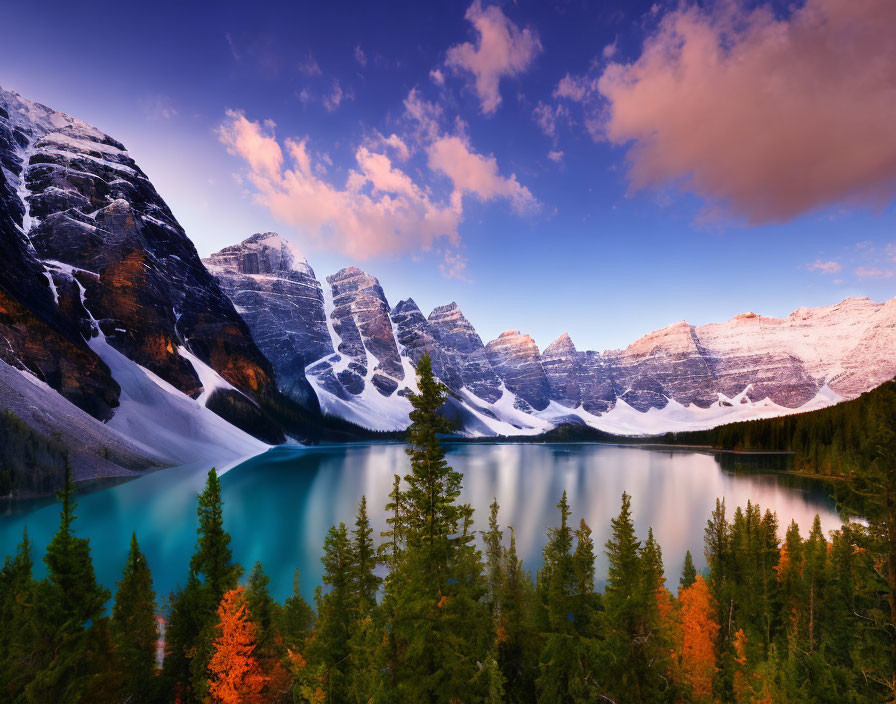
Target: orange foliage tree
[[698, 634], [234, 674]]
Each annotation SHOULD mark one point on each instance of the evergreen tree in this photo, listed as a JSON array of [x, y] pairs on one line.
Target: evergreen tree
[[76, 597], [328, 651], [18, 634], [193, 613], [436, 630], [688, 573], [364, 583], [212, 559], [135, 629], [296, 618]]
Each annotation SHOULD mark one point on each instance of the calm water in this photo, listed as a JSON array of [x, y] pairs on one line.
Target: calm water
[[279, 506]]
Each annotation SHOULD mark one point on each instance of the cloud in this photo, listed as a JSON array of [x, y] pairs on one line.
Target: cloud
[[476, 174], [830, 267], [378, 210], [437, 77], [394, 142], [334, 98], [309, 66], [873, 272], [454, 265], [575, 88], [502, 49], [556, 156], [545, 118], [360, 56], [159, 107], [764, 118]]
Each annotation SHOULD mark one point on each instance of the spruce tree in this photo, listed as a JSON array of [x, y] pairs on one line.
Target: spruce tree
[[364, 583], [135, 629], [437, 630], [688, 573], [296, 617]]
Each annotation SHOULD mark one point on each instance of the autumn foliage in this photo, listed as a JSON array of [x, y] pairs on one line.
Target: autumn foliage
[[234, 674], [698, 635]]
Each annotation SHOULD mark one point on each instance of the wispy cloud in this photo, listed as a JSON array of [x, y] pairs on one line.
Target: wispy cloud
[[159, 107], [873, 272], [336, 96], [502, 49], [556, 156], [825, 267], [360, 56]]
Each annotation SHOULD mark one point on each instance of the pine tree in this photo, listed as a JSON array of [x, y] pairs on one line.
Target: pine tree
[[76, 596], [71, 654], [296, 618], [234, 673], [193, 613], [212, 559], [364, 583], [689, 572], [328, 650], [18, 634], [436, 629], [135, 629]]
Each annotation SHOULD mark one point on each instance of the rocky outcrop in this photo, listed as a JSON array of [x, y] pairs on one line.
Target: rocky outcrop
[[276, 292], [366, 342], [466, 355], [516, 360]]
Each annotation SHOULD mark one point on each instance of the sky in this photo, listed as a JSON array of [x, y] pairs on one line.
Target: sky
[[600, 168]]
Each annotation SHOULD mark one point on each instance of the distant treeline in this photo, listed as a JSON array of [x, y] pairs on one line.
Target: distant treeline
[[30, 463], [836, 440]]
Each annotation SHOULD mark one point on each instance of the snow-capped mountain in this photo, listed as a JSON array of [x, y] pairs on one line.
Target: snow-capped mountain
[[680, 377], [101, 290]]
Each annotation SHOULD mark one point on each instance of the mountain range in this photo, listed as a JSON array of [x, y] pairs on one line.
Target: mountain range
[[118, 340]]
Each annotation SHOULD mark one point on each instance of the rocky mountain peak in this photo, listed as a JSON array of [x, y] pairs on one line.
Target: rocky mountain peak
[[563, 346], [264, 253]]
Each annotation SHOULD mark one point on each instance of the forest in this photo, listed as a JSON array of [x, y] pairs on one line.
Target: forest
[[457, 618]]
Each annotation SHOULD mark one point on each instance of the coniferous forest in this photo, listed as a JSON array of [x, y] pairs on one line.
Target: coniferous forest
[[459, 619]]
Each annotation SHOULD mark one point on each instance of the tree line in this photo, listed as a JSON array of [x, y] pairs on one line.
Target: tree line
[[458, 619]]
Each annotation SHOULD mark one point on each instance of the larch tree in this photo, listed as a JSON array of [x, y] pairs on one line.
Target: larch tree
[[234, 675]]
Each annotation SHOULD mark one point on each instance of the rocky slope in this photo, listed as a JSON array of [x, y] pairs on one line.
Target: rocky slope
[[276, 292], [92, 251], [681, 376]]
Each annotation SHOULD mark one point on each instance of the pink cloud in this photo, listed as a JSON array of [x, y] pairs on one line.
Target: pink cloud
[[476, 174], [575, 88], [379, 210], [556, 156], [503, 49], [546, 117], [830, 267], [873, 272], [764, 118]]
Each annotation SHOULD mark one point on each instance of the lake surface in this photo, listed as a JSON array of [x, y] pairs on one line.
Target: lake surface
[[278, 506]]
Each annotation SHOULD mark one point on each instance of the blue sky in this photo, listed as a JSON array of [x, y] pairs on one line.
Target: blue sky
[[593, 167]]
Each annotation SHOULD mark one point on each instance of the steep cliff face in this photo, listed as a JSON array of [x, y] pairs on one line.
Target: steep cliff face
[[516, 360], [276, 292], [93, 241]]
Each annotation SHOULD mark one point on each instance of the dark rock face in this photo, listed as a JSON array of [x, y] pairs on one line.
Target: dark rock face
[[515, 359], [276, 292], [361, 322], [94, 228], [560, 362], [465, 355]]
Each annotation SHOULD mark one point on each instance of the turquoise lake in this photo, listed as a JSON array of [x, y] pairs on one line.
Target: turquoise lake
[[279, 505]]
